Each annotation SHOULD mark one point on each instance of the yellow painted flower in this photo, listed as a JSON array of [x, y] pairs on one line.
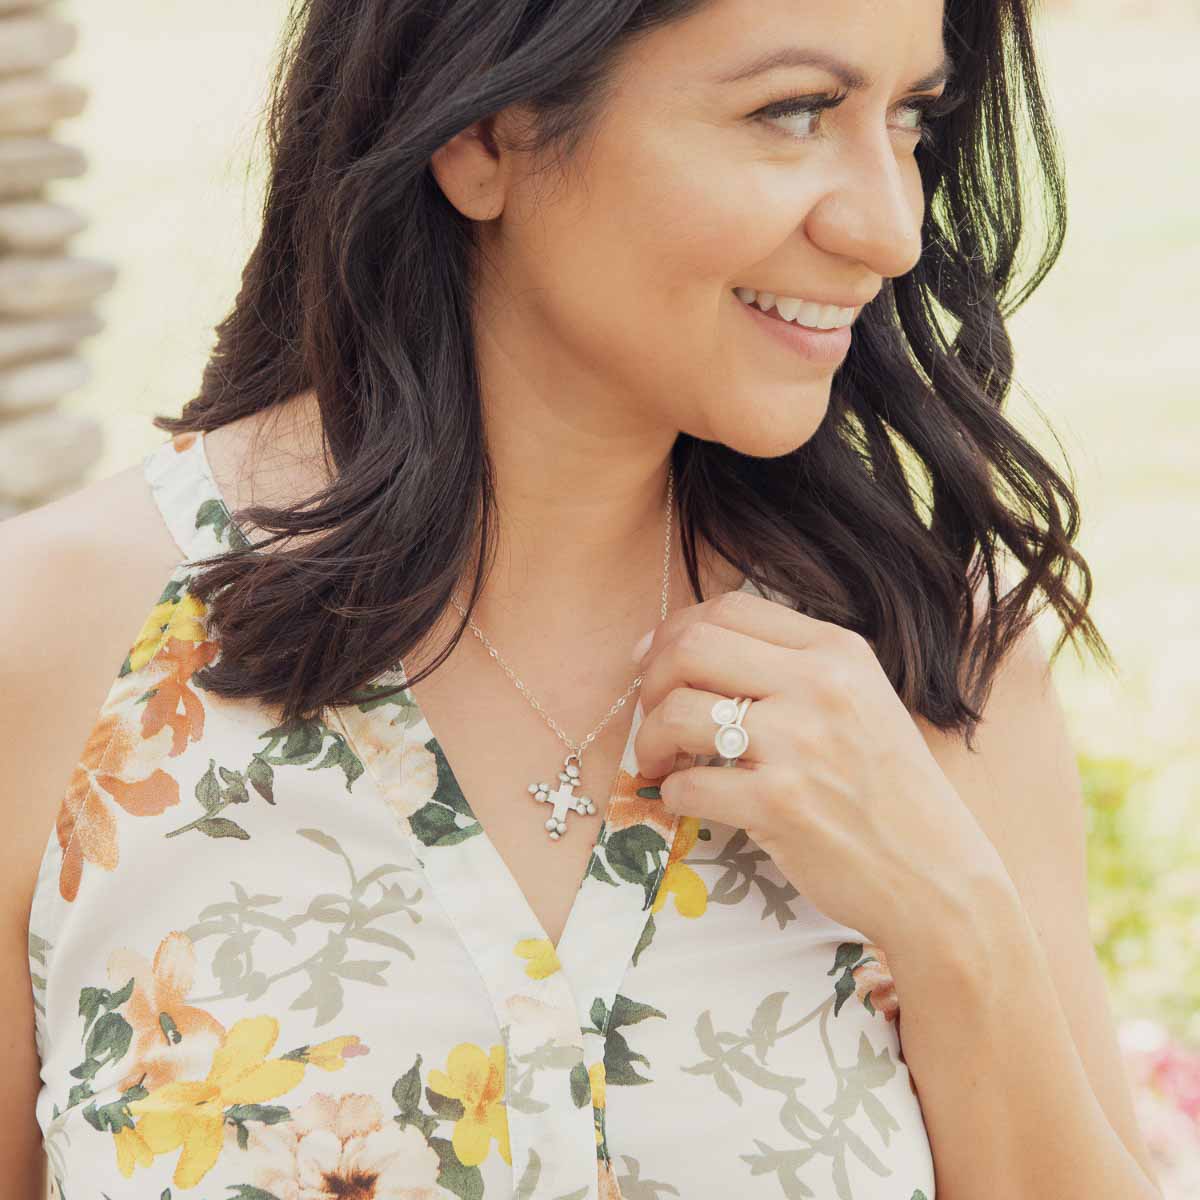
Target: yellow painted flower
[[596, 1075], [191, 1113], [543, 960], [132, 1150], [182, 619], [679, 880], [329, 1056], [477, 1079]]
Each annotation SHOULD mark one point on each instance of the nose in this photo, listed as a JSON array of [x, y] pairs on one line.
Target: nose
[[872, 212]]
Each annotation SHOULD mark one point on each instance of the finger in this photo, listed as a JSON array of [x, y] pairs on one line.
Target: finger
[[717, 659], [729, 795], [745, 612], [683, 724]]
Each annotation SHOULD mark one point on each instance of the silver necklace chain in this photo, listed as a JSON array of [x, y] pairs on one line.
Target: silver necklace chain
[[578, 748]]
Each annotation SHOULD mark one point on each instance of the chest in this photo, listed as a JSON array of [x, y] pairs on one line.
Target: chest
[[496, 745]]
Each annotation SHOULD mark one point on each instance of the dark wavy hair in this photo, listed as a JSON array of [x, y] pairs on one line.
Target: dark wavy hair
[[885, 521]]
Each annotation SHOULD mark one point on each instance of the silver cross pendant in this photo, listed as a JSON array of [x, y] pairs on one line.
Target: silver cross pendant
[[563, 797]]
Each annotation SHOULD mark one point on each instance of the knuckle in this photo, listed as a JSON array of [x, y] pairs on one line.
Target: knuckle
[[694, 639], [782, 784], [676, 708], [728, 605]]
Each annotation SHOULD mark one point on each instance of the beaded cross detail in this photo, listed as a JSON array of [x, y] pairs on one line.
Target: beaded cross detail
[[563, 797]]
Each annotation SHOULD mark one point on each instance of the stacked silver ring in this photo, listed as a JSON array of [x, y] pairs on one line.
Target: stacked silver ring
[[730, 739]]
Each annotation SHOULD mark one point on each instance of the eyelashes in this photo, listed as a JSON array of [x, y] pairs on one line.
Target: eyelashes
[[930, 109]]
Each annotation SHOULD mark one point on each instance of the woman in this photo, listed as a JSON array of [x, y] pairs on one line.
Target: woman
[[569, 319]]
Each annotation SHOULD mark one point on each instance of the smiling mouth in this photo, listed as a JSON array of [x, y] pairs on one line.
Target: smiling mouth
[[803, 313]]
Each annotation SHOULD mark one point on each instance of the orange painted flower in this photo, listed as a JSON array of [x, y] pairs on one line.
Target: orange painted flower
[[171, 1039], [629, 808], [609, 1188], [174, 704], [116, 766], [679, 880], [874, 979], [476, 1079]]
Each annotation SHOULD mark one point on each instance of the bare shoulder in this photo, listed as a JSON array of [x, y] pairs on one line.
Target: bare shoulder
[[82, 572], [80, 575]]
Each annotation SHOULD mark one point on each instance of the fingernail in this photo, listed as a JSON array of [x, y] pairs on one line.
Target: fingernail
[[643, 644]]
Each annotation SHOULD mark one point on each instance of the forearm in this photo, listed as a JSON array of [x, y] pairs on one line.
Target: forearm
[[1007, 1103]]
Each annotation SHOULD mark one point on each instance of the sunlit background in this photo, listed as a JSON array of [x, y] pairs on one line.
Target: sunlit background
[[1107, 353]]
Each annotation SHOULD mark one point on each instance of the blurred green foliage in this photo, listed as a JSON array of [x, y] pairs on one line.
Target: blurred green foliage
[[1144, 899]]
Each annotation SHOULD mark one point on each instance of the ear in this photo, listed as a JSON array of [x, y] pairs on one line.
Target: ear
[[472, 171]]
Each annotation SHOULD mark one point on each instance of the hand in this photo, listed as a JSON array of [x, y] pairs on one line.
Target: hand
[[837, 784]]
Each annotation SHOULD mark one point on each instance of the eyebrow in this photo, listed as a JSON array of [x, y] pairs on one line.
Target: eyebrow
[[850, 77]]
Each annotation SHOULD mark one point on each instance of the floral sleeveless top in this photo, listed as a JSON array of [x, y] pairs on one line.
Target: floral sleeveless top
[[285, 962]]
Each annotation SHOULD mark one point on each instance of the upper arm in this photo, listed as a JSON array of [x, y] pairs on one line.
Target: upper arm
[[1022, 784], [67, 618], [30, 568]]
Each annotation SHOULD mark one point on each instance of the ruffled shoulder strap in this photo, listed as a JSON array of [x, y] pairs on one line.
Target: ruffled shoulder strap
[[186, 492]]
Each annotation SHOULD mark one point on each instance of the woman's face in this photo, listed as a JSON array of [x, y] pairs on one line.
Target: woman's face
[[612, 281]]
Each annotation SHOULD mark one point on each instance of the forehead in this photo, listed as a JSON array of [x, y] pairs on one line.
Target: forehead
[[886, 41]]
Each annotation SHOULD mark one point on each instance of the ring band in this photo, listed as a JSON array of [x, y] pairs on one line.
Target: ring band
[[730, 738]]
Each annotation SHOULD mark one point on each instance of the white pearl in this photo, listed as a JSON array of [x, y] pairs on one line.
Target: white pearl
[[732, 740], [550, 824]]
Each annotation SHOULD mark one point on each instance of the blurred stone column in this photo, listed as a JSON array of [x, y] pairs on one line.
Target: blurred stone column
[[46, 293]]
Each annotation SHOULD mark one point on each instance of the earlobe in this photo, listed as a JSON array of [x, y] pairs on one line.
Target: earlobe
[[469, 173]]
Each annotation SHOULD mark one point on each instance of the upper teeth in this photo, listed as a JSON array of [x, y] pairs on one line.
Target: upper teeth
[[800, 312]]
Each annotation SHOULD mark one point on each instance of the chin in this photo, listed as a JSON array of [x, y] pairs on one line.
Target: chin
[[771, 430]]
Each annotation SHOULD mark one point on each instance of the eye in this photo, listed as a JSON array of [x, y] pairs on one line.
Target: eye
[[809, 107], [925, 110]]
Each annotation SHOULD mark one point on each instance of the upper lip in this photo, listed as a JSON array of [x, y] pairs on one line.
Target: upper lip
[[814, 299]]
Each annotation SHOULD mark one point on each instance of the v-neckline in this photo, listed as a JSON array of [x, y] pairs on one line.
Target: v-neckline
[[632, 800], [619, 811], [474, 883]]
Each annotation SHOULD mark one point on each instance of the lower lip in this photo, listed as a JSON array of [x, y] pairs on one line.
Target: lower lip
[[826, 346]]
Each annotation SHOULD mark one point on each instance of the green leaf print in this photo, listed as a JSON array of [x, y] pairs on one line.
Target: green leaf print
[[848, 957], [106, 1036], [266, 1114], [303, 741], [437, 822], [406, 1092], [378, 695], [581, 1087], [527, 1184], [741, 860], [618, 1056], [115, 1115], [464, 1182], [341, 918], [634, 1187], [445, 1108], [214, 515], [729, 1057], [636, 855], [647, 936], [214, 796]]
